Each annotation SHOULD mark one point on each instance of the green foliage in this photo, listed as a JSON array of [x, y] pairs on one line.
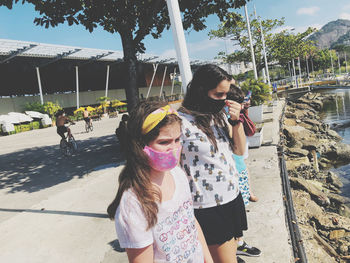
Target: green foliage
[[322, 59], [49, 108], [243, 76], [103, 102], [34, 106], [235, 29], [35, 125], [77, 116], [261, 92], [286, 46]]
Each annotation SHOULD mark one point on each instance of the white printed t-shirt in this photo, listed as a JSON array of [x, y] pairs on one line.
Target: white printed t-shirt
[[212, 176], [174, 237]]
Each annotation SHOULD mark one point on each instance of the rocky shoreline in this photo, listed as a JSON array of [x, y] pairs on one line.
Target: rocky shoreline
[[311, 149]]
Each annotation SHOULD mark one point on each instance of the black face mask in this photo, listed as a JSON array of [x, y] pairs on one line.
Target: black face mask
[[211, 105]]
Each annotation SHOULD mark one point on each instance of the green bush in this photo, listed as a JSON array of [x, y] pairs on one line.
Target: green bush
[[77, 116], [35, 106], [26, 127], [261, 92], [49, 108], [35, 125]]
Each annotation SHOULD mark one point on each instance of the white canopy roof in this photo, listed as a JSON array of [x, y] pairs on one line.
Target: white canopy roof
[[13, 48]]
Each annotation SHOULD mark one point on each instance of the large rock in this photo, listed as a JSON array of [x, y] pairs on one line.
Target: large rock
[[344, 211], [339, 153], [334, 135], [296, 134], [297, 152], [309, 186], [294, 163], [336, 234], [334, 179]]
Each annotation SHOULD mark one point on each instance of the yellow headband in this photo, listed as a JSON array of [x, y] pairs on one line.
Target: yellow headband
[[156, 117]]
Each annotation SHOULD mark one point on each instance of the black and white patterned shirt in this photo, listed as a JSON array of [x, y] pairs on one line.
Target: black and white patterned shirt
[[212, 176]]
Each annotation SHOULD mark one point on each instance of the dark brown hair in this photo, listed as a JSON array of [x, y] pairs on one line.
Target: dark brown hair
[[206, 77], [136, 173]]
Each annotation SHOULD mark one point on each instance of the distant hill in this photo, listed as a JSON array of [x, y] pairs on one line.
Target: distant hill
[[333, 33]]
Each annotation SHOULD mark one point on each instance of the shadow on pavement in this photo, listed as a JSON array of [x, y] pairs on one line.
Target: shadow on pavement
[[56, 212], [33, 169]]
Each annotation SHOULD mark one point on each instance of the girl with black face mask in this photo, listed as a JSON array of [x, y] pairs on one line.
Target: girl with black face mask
[[209, 139]]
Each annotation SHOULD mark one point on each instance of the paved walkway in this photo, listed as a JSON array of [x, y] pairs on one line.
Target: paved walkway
[[49, 216]]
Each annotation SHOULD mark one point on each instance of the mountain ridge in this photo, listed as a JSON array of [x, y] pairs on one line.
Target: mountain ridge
[[333, 33]]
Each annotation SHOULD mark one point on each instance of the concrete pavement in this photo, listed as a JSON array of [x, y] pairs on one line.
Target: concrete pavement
[[61, 218]]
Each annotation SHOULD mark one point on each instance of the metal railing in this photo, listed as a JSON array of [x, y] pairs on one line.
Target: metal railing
[[297, 242]]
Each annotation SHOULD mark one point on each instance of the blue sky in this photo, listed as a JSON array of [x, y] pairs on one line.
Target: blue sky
[[17, 24]]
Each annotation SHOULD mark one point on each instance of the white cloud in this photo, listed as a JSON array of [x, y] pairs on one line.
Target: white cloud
[[344, 16], [308, 10]]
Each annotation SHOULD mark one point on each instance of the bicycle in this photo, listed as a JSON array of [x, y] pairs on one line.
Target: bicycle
[[89, 126], [68, 145]]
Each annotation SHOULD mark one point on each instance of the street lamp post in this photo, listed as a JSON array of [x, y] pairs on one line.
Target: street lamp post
[[332, 63], [250, 42], [264, 49], [346, 63]]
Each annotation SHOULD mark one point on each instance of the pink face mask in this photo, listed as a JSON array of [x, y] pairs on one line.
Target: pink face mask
[[163, 161]]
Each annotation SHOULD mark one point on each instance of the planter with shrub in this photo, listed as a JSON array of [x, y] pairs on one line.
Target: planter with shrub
[[261, 93]]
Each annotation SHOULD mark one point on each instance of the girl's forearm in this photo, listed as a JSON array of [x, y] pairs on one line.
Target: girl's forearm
[[239, 139]]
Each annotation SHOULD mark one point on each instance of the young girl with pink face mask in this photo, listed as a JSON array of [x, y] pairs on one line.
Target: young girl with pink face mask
[[153, 208]]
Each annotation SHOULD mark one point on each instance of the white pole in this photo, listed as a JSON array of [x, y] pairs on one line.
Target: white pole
[[180, 42], [346, 63], [332, 63], [107, 81], [39, 83], [295, 75], [307, 67], [250, 42], [150, 85], [264, 75], [173, 82], [161, 87], [299, 72], [77, 84], [339, 64], [264, 49], [229, 70]]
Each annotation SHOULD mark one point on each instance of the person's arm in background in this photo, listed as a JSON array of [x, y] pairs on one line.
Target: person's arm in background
[[201, 238], [236, 131], [140, 255]]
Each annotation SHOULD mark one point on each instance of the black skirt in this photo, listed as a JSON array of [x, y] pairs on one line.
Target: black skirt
[[224, 222]]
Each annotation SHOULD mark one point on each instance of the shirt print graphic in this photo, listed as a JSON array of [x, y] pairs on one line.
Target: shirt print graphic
[[176, 235]]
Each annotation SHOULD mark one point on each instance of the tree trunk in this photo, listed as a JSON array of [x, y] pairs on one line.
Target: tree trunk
[[130, 59]]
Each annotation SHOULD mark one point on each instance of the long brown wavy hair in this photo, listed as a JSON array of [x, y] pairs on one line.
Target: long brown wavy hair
[[137, 171], [206, 77]]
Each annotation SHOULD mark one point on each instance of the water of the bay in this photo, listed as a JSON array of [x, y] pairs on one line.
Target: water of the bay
[[337, 115]]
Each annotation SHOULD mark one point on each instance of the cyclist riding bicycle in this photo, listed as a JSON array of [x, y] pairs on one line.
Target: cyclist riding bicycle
[[87, 119], [61, 120]]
